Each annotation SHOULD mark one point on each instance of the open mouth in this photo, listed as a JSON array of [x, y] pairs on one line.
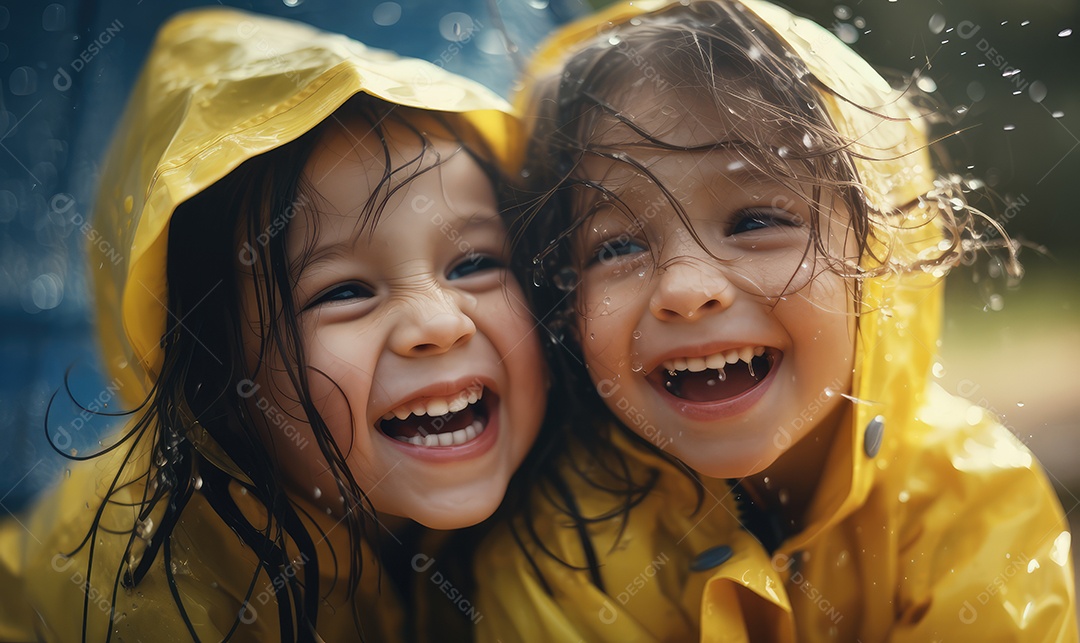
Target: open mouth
[[440, 422], [715, 378]]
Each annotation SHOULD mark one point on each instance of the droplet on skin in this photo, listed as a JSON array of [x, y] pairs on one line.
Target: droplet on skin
[[1020, 405], [637, 334], [904, 496]]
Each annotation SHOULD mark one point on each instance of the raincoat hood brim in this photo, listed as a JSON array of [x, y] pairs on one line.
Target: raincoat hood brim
[[219, 87]]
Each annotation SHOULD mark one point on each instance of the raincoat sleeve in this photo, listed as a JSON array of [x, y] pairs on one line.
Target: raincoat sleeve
[[987, 551]]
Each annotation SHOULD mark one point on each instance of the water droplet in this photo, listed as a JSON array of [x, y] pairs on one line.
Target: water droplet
[[317, 493], [1009, 73], [23, 81], [975, 91], [67, 472], [1064, 33], [637, 367], [926, 83], [904, 496], [1009, 128], [845, 32], [292, 3], [937, 23], [842, 12], [386, 14], [1037, 91], [197, 483], [54, 17], [637, 334], [1058, 114], [783, 496], [456, 26], [721, 375], [607, 301], [144, 528], [859, 22], [539, 5], [938, 369]]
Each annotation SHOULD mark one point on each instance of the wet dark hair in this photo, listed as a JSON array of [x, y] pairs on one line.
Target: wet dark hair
[[195, 421], [733, 64]]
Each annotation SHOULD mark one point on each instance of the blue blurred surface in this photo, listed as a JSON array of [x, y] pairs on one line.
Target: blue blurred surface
[[54, 128]]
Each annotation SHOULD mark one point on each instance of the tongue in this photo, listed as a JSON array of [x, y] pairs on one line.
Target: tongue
[[422, 425], [707, 385]]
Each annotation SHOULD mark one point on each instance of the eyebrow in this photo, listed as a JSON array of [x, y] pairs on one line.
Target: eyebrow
[[325, 252]]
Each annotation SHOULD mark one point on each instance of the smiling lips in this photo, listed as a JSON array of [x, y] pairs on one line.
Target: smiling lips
[[714, 378], [439, 421]]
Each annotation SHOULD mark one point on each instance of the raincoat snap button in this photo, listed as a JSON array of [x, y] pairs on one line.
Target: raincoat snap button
[[872, 438], [712, 557]]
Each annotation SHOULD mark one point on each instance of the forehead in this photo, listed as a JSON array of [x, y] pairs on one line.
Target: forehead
[[685, 117], [360, 177]]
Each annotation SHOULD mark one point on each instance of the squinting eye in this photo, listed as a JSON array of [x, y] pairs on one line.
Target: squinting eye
[[473, 265], [342, 293], [759, 218], [619, 247]]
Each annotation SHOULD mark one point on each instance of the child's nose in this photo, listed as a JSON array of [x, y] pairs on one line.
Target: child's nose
[[689, 290], [433, 323]]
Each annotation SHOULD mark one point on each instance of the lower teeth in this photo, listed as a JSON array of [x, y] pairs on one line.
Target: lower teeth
[[461, 436]]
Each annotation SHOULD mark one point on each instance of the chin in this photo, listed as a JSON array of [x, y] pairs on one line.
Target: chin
[[457, 515], [728, 467]]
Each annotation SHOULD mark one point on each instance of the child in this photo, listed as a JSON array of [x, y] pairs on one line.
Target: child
[[741, 252], [313, 322]]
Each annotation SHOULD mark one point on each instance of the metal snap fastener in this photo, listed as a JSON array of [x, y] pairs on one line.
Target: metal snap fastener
[[875, 430]]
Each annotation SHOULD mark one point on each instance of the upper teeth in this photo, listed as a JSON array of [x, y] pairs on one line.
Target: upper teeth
[[717, 360], [438, 406]]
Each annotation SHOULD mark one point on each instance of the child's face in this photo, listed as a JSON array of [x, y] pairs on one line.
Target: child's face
[[660, 316], [421, 356]]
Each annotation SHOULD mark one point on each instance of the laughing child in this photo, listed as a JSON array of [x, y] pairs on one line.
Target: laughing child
[[313, 321], [740, 244]]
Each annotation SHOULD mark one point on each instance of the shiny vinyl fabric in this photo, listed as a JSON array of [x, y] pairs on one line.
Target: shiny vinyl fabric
[[219, 87], [931, 522]]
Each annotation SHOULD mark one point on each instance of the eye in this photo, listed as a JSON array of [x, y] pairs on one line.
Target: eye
[[474, 264], [760, 218], [342, 293], [618, 247]]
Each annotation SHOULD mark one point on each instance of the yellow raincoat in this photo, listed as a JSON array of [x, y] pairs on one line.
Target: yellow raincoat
[[219, 87], [931, 521]]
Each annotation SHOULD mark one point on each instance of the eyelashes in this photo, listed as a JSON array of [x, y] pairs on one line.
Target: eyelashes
[[755, 221], [474, 265]]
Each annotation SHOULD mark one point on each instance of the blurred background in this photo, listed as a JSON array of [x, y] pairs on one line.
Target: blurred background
[[1007, 71]]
